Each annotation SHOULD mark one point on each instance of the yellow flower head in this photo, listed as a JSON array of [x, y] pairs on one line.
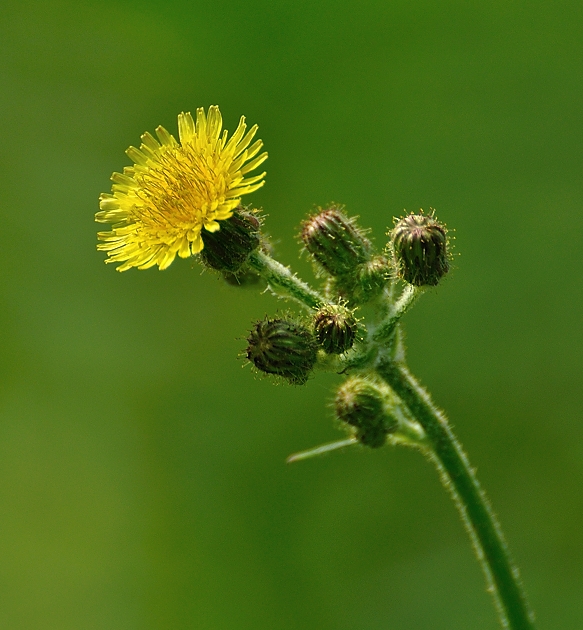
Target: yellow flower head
[[160, 205]]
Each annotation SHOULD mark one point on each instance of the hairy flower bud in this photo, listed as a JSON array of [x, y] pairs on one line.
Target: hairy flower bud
[[366, 405], [335, 242], [335, 327], [366, 282], [371, 278], [284, 348], [228, 248], [419, 244]]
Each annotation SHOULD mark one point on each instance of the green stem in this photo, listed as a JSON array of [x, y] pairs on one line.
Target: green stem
[[281, 280], [320, 450], [459, 479], [385, 329]]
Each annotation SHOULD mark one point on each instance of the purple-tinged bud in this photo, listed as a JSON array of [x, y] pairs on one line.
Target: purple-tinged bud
[[283, 347], [335, 327], [419, 246], [335, 242]]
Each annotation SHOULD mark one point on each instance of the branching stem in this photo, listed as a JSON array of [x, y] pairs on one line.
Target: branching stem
[[283, 282], [382, 352], [386, 328]]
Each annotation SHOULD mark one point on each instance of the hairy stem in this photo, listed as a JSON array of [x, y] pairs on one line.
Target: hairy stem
[[386, 328], [459, 479], [283, 282]]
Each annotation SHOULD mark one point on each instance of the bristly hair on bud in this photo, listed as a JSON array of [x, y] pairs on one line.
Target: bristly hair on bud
[[334, 241], [228, 249], [366, 406], [372, 278], [335, 327], [366, 283], [283, 347], [419, 248]]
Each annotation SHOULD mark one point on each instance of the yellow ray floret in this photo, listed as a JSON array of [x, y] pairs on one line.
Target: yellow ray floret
[[159, 206]]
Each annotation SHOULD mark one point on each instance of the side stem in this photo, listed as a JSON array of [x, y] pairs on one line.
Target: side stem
[[282, 281], [386, 328], [502, 576]]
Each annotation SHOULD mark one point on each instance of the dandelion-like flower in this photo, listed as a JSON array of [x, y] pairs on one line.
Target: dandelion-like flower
[[159, 206]]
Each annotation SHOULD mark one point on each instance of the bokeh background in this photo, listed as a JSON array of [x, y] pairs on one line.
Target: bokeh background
[[142, 475]]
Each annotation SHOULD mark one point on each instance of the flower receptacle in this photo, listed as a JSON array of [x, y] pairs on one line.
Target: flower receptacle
[[228, 248]]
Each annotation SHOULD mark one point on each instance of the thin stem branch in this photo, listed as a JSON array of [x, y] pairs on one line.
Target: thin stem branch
[[320, 450], [459, 479], [282, 281], [385, 329]]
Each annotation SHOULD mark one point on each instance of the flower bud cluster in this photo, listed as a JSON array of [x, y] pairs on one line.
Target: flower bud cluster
[[287, 347], [354, 274]]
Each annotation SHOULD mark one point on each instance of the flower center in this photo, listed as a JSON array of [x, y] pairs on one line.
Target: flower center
[[183, 190]]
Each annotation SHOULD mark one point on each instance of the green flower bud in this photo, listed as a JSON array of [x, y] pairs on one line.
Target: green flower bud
[[335, 327], [366, 283], [419, 245], [335, 242], [366, 405], [371, 279], [284, 348], [228, 248]]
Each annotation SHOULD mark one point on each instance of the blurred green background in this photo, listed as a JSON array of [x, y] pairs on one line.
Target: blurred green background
[[142, 475]]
